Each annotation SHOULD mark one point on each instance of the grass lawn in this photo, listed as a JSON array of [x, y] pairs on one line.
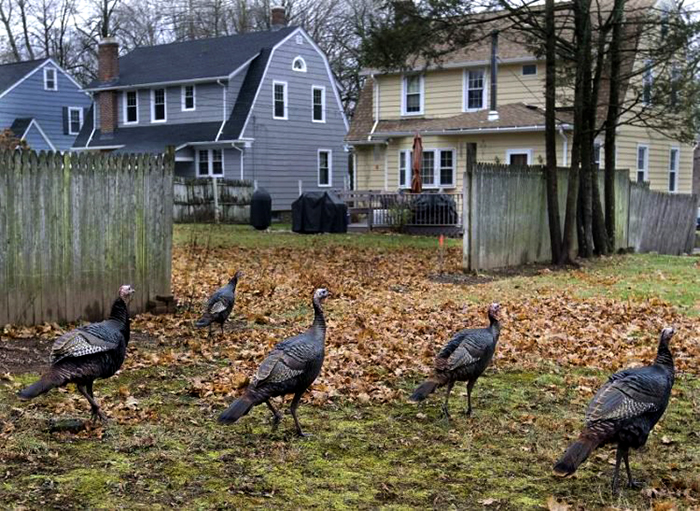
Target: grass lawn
[[395, 302]]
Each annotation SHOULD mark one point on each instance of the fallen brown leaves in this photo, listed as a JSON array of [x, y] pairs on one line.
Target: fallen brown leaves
[[386, 320]]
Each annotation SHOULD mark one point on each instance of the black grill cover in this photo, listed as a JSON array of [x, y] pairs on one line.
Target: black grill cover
[[315, 212], [261, 209]]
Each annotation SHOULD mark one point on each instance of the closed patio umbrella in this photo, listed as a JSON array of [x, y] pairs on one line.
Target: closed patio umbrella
[[417, 158]]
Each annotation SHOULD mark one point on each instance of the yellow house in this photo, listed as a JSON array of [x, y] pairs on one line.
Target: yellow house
[[452, 106]]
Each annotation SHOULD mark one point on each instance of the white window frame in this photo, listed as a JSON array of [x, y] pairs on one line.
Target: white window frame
[[330, 168], [522, 70], [601, 154], [529, 152], [299, 39], [435, 185], [46, 78], [465, 90], [299, 58], [70, 123], [165, 105], [210, 163], [672, 170], [183, 104], [125, 107], [404, 79], [286, 102], [323, 103], [646, 163]]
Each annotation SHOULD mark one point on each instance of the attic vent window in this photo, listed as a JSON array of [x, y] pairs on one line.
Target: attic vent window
[[50, 79], [299, 65], [299, 39], [529, 69]]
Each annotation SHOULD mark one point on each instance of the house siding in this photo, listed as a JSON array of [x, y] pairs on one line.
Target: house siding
[[29, 99], [208, 105], [286, 151], [35, 140]]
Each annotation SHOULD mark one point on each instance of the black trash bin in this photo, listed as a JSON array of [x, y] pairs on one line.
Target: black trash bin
[[315, 212], [261, 209]]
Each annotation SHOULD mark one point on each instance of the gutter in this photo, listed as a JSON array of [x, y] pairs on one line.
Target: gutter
[[455, 65], [154, 84], [210, 142], [467, 131], [99, 148]]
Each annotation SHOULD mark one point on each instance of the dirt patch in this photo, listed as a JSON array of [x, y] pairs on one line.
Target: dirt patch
[[24, 355], [471, 279]]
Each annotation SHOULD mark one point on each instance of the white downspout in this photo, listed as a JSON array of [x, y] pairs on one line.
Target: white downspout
[[223, 116], [565, 147], [376, 107], [242, 153]]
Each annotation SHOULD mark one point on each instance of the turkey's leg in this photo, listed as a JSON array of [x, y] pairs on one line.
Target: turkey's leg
[[276, 416], [616, 474], [631, 483], [293, 409], [86, 390], [470, 386], [222, 329], [445, 407]]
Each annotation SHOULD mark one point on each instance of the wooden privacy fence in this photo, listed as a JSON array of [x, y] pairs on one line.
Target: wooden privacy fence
[[75, 227], [212, 200], [505, 216]]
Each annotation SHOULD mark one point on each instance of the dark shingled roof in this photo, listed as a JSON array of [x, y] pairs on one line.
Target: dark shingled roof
[[12, 73], [192, 60], [20, 125], [246, 96], [85, 131], [149, 139]]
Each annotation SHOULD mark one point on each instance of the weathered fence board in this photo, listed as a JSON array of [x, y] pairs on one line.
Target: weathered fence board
[[77, 226], [506, 224], [196, 200]]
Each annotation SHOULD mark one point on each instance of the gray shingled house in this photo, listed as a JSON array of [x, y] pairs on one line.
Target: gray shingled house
[[261, 106], [41, 104]]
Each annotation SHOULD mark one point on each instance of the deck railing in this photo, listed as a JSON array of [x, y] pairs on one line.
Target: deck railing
[[404, 211]]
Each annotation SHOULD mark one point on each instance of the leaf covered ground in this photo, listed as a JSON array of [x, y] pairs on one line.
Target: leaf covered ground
[[395, 301]]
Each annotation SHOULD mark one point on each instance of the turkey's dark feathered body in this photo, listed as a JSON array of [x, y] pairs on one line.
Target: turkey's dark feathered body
[[85, 354], [291, 368], [219, 305], [623, 412], [464, 358]]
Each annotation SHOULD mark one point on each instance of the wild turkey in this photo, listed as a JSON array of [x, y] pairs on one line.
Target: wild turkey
[[220, 305], [87, 353], [623, 412], [290, 368], [464, 358]]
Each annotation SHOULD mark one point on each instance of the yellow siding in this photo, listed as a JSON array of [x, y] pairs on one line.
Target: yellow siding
[[443, 93], [513, 87], [369, 168]]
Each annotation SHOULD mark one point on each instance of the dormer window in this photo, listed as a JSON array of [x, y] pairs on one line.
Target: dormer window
[[413, 94], [299, 65], [50, 82]]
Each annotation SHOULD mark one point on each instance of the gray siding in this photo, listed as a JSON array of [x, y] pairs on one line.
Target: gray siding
[[232, 162], [285, 151], [208, 105], [29, 99], [36, 141]]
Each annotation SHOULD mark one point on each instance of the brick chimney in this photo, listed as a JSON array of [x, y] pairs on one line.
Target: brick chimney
[[108, 71], [278, 19]]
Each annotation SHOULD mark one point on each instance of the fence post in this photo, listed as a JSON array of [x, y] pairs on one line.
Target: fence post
[[215, 189], [466, 221]]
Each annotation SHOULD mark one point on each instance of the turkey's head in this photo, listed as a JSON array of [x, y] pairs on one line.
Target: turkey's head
[[320, 295], [236, 276], [666, 335], [125, 292], [495, 311]]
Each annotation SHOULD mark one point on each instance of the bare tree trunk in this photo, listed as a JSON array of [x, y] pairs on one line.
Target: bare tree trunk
[[550, 138], [611, 121], [6, 18], [572, 200], [22, 4]]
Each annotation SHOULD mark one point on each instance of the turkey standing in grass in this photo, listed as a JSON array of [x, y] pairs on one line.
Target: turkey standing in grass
[[220, 305], [290, 368], [623, 412], [87, 353], [464, 358]]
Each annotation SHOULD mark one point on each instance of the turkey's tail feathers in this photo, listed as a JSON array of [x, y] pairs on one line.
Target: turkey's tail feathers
[[206, 320], [424, 390], [43, 385], [239, 408], [575, 455]]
